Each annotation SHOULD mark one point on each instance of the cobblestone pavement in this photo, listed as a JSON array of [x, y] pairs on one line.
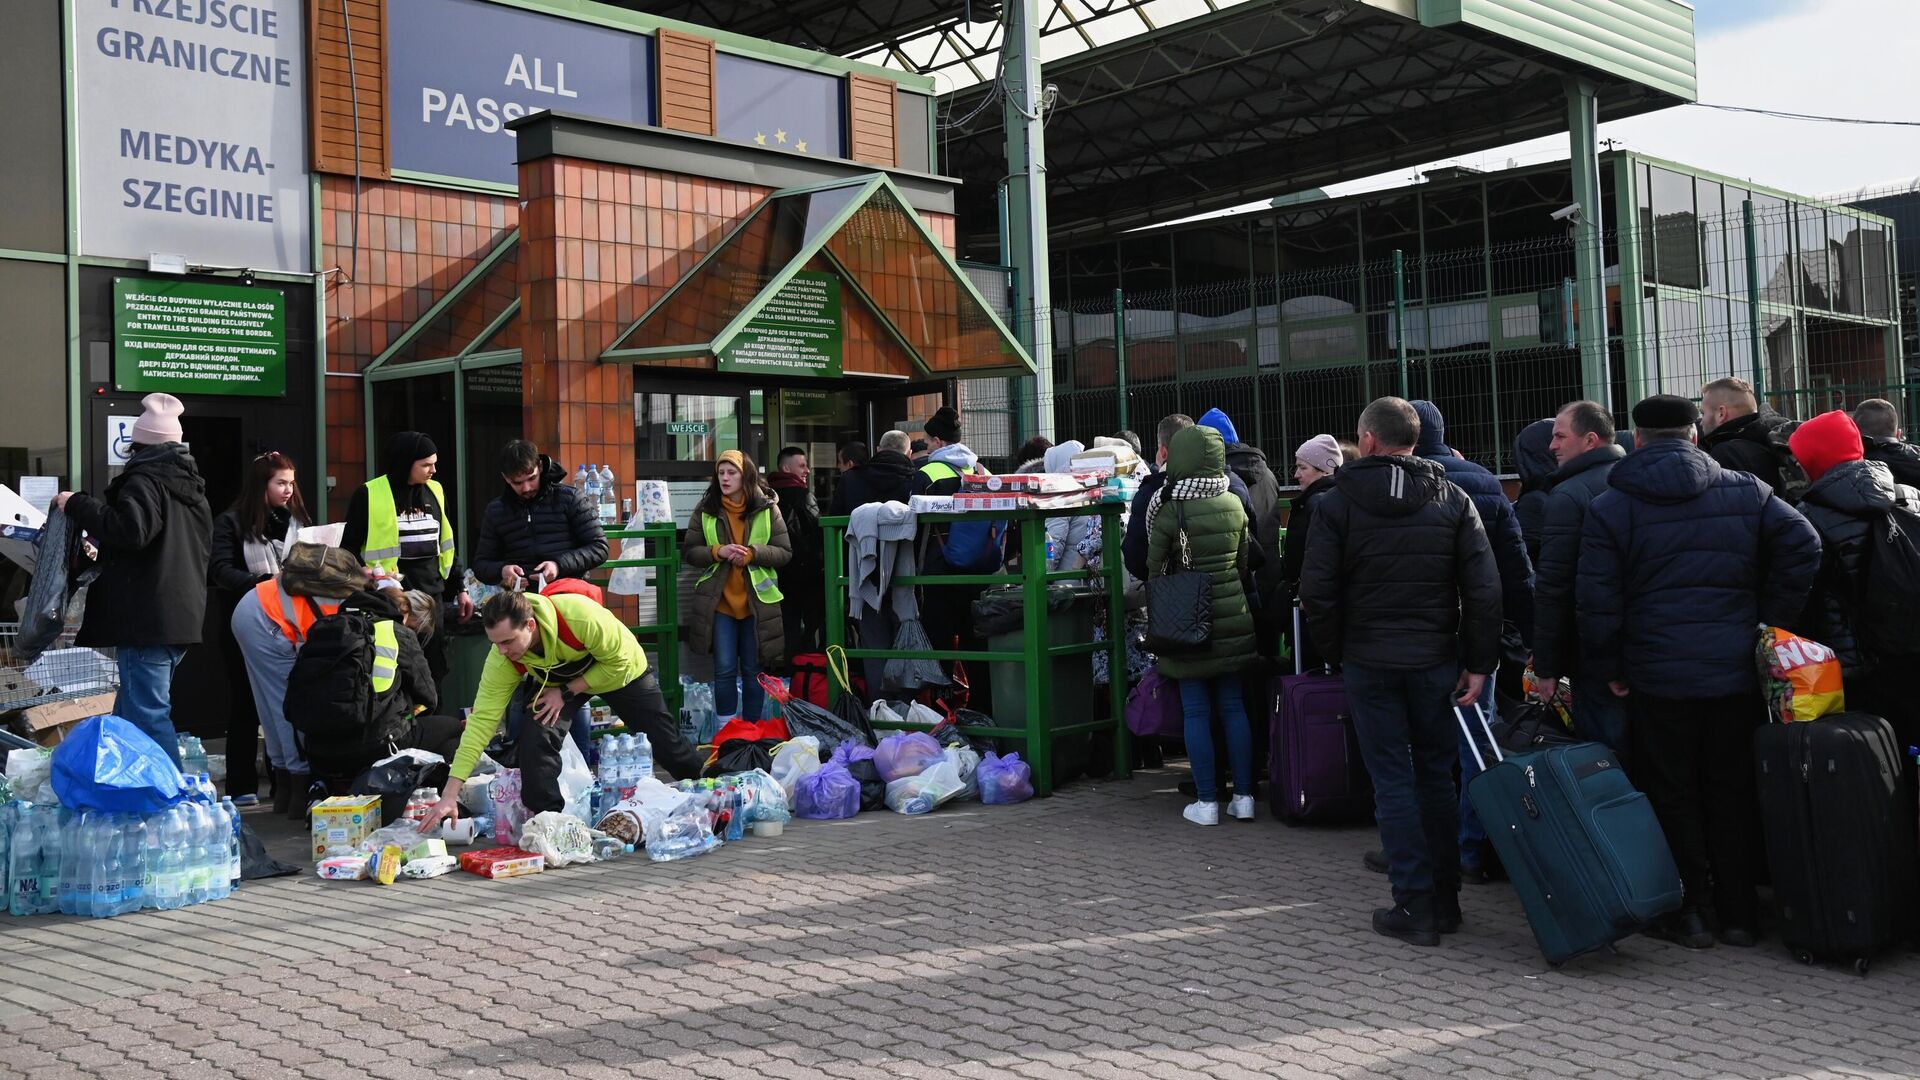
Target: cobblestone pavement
[[1094, 934]]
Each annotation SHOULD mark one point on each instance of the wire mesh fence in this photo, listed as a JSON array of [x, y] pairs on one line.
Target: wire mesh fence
[[1491, 334]]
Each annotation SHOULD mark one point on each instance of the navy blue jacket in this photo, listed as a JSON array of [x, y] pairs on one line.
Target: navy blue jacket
[[1533, 453], [1563, 513], [1496, 516], [1681, 562]]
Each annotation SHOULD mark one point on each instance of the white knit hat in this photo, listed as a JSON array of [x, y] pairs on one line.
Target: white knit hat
[[1320, 452], [159, 421]]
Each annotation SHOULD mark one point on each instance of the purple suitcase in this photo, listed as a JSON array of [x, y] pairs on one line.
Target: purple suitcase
[[1315, 772]]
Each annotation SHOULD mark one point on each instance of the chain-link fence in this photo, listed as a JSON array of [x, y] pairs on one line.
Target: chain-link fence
[[1808, 312]]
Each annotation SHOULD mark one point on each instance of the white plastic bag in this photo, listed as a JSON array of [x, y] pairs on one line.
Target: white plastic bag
[[639, 815], [923, 714], [794, 759], [576, 780], [965, 760], [919, 794], [30, 775], [883, 716], [418, 757], [561, 837]]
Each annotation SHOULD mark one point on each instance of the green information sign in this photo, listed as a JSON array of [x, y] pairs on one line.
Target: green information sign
[[186, 337], [687, 427], [797, 332]]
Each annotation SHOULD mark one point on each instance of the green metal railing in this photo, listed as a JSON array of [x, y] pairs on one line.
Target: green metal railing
[[1035, 654], [661, 544]]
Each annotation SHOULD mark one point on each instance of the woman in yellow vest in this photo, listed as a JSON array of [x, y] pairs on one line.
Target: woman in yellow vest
[[738, 539], [400, 523]]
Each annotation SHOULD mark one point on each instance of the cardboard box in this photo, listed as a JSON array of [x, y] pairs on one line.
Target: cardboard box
[[502, 862], [964, 501], [1010, 482], [48, 724], [341, 822]]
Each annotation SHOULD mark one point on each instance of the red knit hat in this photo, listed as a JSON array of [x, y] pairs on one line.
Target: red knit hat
[[1825, 441]]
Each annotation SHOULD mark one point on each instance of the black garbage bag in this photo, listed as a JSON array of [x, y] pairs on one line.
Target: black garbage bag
[[832, 729], [742, 755], [255, 863], [873, 790], [1001, 609], [908, 676], [850, 709], [44, 613], [394, 781]]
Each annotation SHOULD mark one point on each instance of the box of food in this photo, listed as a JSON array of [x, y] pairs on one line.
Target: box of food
[[1011, 482], [341, 822], [964, 501], [502, 862]]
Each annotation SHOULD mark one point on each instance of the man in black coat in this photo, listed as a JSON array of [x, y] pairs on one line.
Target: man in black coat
[[540, 526], [1680, 561], [154, 531], [1400, 586], [1534, 460], [1738, 431], [803, 579], [1882, 440], [884, 477], [1583, 443]]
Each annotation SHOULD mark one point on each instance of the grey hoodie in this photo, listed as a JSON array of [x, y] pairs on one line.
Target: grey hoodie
[[881, 538]]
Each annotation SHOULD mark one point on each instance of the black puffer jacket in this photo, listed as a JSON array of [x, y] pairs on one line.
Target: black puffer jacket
[[154, 530], [1842, 506], [1299, 520], [884, 478], [1496, 515], [1563, 508], [1680, 562], [1902, 458], [557, 523], [1398, 572], [1742, 444], [1533, 449]]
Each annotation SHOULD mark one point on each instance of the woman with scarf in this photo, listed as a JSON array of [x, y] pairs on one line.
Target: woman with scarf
[[1194, 519], [249, 540], [399, 523], [738, 539]]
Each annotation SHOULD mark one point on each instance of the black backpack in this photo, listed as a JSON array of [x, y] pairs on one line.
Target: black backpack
[[1886, 588], [330, 692], [1793, 478]]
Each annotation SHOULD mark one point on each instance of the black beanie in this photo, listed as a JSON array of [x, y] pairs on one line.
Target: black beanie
[[944, 425], [1665, 411]]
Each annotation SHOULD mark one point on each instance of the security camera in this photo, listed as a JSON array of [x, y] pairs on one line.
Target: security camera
[[1569, 214]]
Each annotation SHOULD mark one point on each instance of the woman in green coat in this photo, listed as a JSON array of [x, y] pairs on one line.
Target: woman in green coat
[[1195, 500]]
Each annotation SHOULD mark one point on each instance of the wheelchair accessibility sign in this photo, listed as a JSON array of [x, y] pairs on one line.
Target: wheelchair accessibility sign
[[119, 440]]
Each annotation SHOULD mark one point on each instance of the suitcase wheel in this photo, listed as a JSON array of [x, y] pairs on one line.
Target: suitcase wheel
[[1860, 967], [1803, 956]]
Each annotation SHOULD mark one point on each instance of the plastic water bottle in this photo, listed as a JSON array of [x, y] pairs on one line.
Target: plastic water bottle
[[23, 859], [199, 854], [73, 861], [609, 506], [592, 488], [133, 875], [642, 757], [233, 843], [155, 860], [105, 890], [193, 756], [580, 477]]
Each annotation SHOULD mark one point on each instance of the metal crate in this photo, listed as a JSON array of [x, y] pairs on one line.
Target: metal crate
[[63, 671]]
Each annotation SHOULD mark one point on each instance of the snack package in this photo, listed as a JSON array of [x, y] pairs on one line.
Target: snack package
[[501, 862], [431, 867], [385, 866], [1802, 677], [344, 868]]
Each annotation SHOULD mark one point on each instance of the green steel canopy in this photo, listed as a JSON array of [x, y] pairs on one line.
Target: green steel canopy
[[861, 232]]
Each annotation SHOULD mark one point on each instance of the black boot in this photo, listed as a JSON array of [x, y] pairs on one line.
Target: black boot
[[1410, 920], [297, 784], [1446, 910], [282, 791], [1375, 860], [1687, 929]]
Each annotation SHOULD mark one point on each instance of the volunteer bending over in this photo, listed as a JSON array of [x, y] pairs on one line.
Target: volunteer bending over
[[558, 651]]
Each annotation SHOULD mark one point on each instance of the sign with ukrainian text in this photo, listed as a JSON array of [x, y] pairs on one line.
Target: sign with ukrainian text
[[188, 337], [461, 69], [796, 332], [192, 131]]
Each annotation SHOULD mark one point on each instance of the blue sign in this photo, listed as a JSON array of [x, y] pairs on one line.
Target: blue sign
[[780, 107], [462, 68]]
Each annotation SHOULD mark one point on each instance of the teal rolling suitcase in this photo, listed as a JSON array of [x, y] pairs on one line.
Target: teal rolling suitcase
[[1579, 841]]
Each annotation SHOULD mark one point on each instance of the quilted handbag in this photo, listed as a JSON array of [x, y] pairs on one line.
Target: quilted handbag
[[1179, 603]]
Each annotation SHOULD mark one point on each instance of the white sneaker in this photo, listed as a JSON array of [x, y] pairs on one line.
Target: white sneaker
[[1241, 808], [1202, 813]]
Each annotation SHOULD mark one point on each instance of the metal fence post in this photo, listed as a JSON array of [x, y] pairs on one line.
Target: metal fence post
[[1120, 352], [1400, 316], [1753, 298]]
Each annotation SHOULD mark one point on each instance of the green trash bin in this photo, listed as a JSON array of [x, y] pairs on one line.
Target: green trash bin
[[1071, 616], [466, 656]]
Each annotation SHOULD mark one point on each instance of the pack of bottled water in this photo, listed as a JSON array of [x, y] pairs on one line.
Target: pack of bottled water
[[102, 864]]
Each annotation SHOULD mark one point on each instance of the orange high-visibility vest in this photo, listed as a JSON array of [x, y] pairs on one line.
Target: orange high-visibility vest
[[293, 614]]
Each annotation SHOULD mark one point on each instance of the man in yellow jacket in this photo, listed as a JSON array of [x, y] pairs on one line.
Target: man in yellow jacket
[[560, 650]]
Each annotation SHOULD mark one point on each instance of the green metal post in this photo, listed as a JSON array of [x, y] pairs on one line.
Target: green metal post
[[666, 609], [1037, 663], [1110, 568], [1024, 89], [833, 532], [1120, 351], [1400, 316], [1753, 298]]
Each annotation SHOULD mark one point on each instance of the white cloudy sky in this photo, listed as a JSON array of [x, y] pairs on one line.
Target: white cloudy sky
[[1854, 58]]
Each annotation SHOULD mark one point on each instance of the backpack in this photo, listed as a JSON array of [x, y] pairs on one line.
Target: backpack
[[329, 699], [1793, 478], [1887, 584], [968, 547]]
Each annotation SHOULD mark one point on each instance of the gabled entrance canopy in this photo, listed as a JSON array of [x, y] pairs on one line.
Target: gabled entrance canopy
[[769, 298]]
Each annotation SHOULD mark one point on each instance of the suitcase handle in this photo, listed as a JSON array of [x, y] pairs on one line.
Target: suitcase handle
[[1299, 638], [1473, 745]]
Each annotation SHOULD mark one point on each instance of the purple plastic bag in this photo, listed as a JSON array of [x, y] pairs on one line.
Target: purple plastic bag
[[829, 793], [849, 752], [906, 754], [1004, 780]]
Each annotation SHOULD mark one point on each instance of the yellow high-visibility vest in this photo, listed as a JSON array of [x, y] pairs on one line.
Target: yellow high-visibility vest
[[383, 528]]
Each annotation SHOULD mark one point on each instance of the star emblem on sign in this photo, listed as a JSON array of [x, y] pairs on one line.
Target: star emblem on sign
[[781, 136], [760, 137]]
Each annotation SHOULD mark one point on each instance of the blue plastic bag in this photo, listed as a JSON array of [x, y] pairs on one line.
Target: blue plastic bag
[[108, 764], [1004, 780], [827, 794]]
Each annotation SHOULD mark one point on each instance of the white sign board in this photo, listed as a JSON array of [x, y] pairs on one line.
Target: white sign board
[[119, 440], [192, 131]]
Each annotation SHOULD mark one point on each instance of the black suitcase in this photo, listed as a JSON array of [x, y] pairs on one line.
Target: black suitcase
[[1839, 835]]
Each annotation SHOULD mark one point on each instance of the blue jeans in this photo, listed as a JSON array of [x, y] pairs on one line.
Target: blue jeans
[[145, 699], [1409, 740], [736, 669], [1601, 717], [1200, 699]]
